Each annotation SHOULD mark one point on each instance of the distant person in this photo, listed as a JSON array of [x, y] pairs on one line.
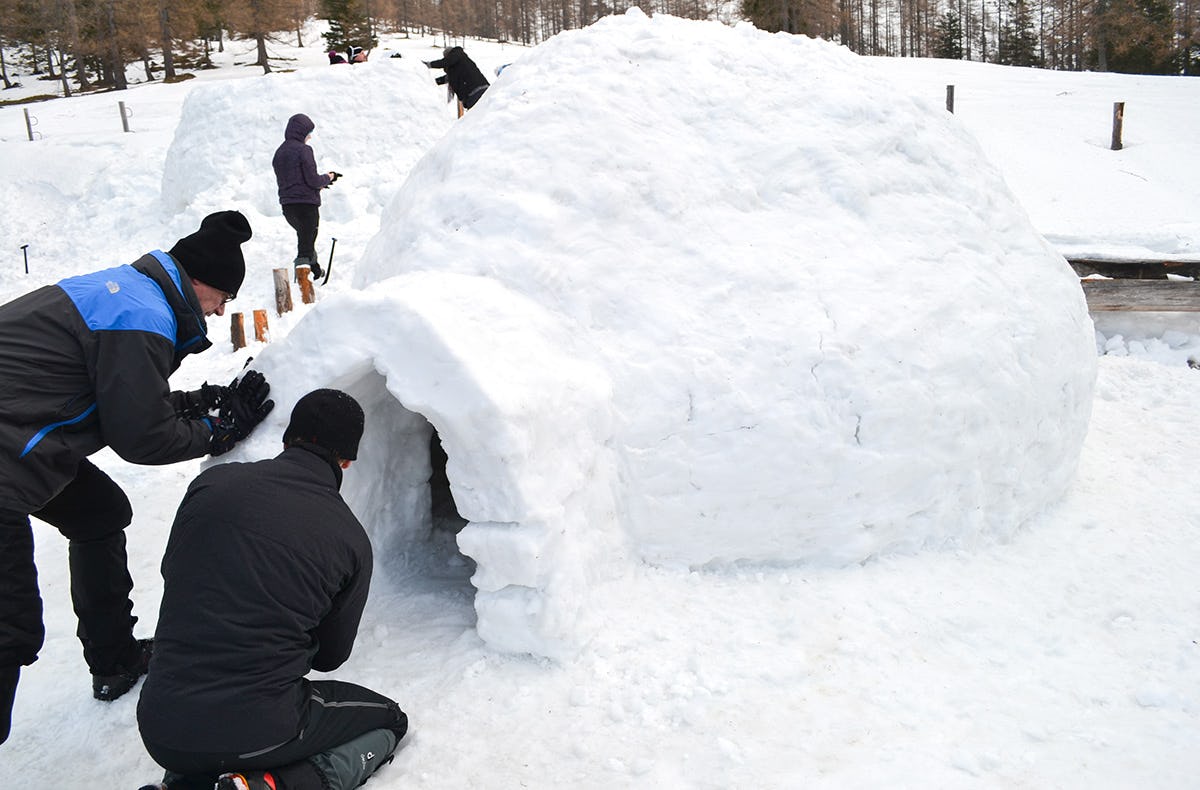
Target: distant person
[[265, 577], [83, 366], [335, 58], [300, 188], [356, 55], [462, 75]]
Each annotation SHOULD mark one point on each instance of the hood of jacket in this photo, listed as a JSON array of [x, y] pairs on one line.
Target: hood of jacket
[[299, 126]]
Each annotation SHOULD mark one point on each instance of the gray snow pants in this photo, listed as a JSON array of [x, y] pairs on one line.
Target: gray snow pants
[[351, 732]]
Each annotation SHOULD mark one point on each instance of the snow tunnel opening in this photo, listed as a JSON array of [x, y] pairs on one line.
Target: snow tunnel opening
[[398, 488], [443, 510]]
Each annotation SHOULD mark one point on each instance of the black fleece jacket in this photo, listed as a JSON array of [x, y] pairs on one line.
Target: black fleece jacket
[[266, 574]]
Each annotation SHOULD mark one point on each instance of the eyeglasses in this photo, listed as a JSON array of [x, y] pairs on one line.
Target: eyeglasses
[[228, 298]]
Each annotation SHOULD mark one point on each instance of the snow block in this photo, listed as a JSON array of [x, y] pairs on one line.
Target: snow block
[[829, 327]]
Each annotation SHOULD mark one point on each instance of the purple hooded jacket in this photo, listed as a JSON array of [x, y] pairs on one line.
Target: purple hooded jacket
[[295, 167]]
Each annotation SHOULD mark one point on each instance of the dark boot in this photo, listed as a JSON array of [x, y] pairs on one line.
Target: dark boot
[[108, 687], [8, 695]]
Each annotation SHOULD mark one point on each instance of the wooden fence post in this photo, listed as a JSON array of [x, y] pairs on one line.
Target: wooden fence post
[[1118, 123], [283, 292], [950, 98], [304, 278], [261, 332], [237, 331]]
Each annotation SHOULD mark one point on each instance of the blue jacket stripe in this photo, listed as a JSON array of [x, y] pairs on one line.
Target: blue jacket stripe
[[37, 437]]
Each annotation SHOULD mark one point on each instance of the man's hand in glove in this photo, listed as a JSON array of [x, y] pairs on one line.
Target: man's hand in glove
[[197, 404], [244, 407]]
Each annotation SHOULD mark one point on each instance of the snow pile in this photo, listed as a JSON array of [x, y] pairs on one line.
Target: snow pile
[[828, 329], [373, 121]]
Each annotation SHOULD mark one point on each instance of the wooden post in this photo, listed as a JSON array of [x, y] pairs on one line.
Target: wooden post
[[1118, 123], [261, 332], [237, 331], [304, 278], [283, 292], [124, 116], [460, 110], [950, 98]]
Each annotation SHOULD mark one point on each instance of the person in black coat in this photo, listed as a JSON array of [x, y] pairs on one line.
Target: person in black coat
[[84, 365], [300, 186], [265, 576], [462, 75]]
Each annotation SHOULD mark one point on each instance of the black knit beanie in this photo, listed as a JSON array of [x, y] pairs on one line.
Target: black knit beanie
[[330, 419], [213, 254]]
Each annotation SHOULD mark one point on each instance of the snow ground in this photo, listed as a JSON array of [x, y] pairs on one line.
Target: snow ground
[[1064, 656]]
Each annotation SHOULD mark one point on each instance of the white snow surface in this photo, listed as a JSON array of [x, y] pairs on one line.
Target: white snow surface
[[1032, 627]]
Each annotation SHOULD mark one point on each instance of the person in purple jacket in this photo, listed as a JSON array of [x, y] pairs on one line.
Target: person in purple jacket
[[300, 188]]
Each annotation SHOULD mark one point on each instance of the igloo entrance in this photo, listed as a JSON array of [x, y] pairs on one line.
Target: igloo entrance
[[529, 463], [399, 487]]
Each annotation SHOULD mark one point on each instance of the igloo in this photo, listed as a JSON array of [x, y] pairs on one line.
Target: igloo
[[681, 293]]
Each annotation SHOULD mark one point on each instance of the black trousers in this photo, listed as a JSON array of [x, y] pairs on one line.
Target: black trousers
[[338, 713], [304, 218], [92, 512]]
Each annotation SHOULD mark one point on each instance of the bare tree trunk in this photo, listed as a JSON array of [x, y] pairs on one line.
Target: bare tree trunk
[[62, 72], [263, 60], [115, 62], [164, 27], [4, 70]]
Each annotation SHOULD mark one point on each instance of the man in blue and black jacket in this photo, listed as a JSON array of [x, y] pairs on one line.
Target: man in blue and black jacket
[[83, 366]]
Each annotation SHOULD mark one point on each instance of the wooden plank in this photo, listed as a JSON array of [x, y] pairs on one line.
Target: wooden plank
[[1138, 269], [1142, 295]]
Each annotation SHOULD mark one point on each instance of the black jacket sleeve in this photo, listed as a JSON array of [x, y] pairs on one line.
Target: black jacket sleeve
[[137, 413], [335, 635]]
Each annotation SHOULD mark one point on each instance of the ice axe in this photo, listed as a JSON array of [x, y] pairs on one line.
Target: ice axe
[[329, 266]]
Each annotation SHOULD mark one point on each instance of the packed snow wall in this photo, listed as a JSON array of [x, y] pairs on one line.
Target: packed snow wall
[[829, 328], [524, 418]]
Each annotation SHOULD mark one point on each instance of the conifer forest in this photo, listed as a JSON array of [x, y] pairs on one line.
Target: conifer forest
[[85, 45]]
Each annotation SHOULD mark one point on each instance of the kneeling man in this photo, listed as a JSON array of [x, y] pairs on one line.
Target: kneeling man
[[266, 574]]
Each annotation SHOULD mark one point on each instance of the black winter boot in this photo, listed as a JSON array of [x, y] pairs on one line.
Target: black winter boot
[[108, 687], [8, 695]]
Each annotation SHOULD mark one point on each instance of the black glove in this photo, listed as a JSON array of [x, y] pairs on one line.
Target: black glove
[[315, 270], [198, 403], [243, 408], [336, 176]]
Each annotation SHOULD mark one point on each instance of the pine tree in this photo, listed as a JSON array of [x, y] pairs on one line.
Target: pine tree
[[948, 36], [1018, 44], [349, 25], [1136, 36]]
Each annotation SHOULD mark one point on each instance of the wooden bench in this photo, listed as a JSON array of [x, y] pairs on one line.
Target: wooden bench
[[1139, 285]]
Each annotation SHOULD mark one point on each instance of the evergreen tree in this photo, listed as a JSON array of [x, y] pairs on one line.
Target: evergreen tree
[[1136, 36], [349, 25], [948, 36], [1018, 43]]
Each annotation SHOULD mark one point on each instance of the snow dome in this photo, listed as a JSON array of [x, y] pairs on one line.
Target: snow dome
[[694, 294]]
